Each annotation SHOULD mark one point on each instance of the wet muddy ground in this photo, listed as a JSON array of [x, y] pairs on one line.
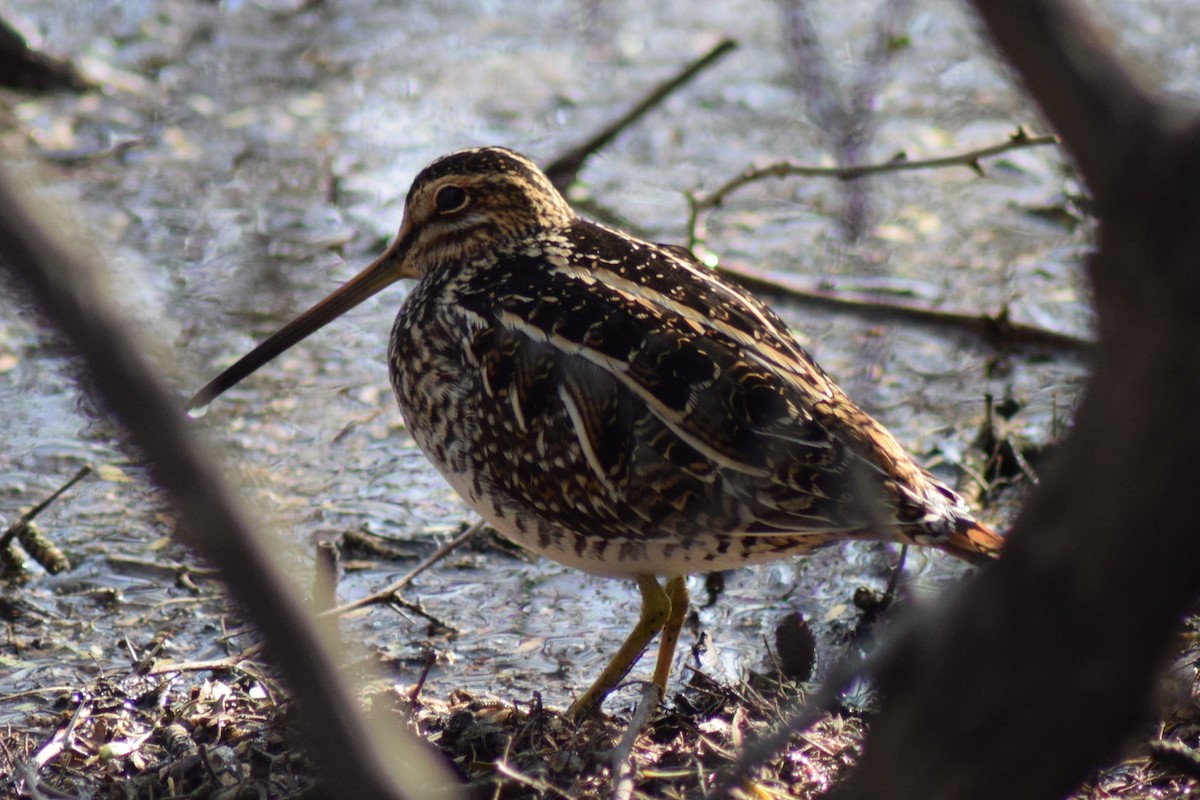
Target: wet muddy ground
[[243, 159]]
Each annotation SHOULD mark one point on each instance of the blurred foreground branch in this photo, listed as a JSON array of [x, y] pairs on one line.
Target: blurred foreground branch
[[1033, 677], [23, 67], [358, 762]]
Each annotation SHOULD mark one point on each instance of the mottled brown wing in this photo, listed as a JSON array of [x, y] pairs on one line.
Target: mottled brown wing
[[662, 389]]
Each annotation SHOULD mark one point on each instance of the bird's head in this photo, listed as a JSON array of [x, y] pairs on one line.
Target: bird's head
[[459, 208], [471, 202]]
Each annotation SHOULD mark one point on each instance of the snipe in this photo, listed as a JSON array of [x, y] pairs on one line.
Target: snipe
[[615, 405]]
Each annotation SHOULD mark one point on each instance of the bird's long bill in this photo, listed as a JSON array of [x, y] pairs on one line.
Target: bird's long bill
[[383, 272]]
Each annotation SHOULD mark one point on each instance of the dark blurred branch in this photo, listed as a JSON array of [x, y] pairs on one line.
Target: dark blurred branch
[[22, 67], [564, 170], [358, 762], [1088, 94], [1037, 673]]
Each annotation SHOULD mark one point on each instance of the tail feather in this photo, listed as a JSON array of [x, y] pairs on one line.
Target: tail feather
[[973, 542]]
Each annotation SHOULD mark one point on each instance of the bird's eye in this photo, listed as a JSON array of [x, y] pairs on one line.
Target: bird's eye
[[451, 199]]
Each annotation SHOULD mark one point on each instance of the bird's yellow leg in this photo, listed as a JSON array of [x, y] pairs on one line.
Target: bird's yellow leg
[[677, 594], [656, 612]]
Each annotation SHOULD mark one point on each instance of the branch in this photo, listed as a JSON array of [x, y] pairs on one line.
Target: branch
[[1038, 672], [211, 520], [564, 170], [391, 593], [998, 330], [22, 67], [699, 204], [1085, 90], [624, 770], [29, 515]]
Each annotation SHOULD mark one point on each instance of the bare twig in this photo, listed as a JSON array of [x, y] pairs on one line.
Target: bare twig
[[29, 515], [563, 170], [997, 329], [699, 204], [415, 608], [542, 787], [623, 769], [414, 693], [62, 737], [232, 663], [165, 566], [390, 594]]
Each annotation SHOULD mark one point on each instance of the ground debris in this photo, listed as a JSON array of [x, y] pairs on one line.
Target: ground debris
[[153, 736], [524, 750], [227, 729]]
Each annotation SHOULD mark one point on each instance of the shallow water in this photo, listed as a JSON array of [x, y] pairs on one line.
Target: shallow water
[[269, 151]]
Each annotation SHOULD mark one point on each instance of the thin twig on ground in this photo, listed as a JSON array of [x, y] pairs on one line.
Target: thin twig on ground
[[29, 515], [234, 663], [390, 593], [624, 770], [542, 787]]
